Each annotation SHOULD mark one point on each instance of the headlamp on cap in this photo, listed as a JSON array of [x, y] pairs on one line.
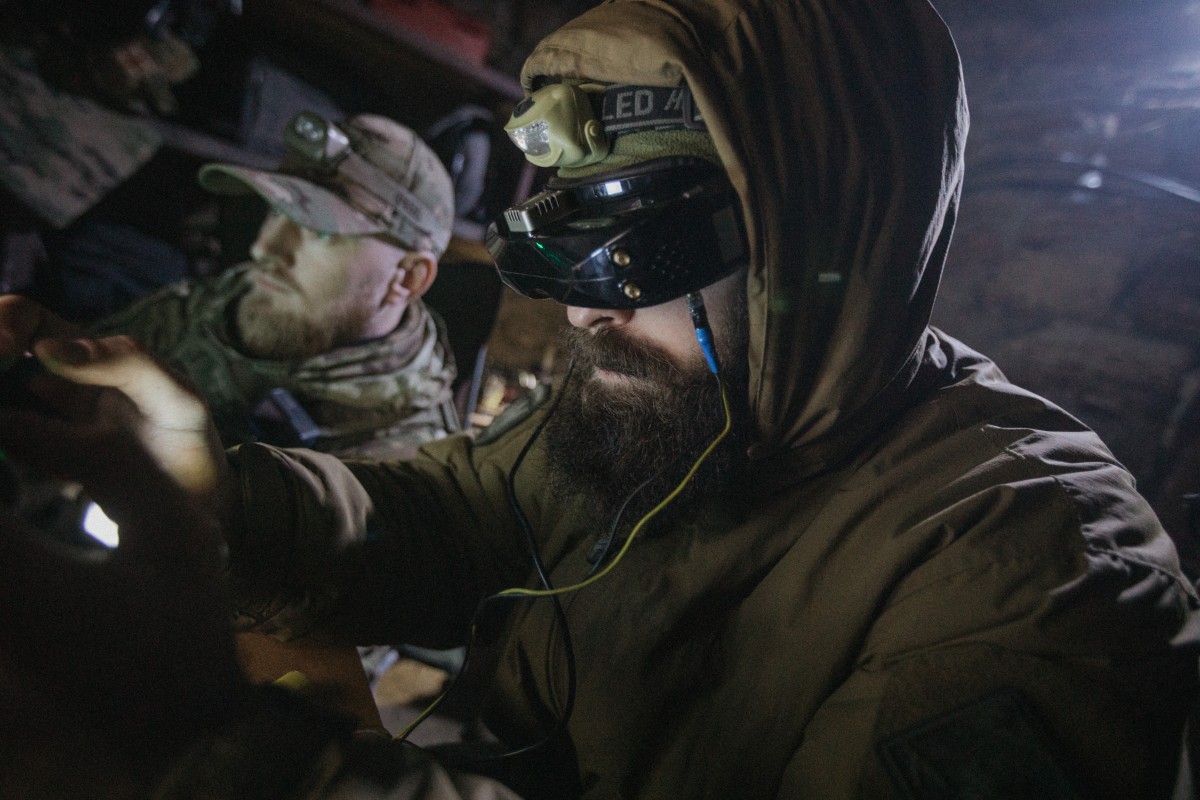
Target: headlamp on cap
[[320, 143], [649, 235], [556, 126], [325, 152]]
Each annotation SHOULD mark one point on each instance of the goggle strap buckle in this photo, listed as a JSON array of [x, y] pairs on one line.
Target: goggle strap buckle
[[397, 207]]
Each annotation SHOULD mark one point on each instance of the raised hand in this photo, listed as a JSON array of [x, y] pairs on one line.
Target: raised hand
[[170, 418]]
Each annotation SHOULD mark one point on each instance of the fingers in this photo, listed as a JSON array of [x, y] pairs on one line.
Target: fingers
[[58, 397], [121, 363], [174, 426], [83, 450], [23, 322]]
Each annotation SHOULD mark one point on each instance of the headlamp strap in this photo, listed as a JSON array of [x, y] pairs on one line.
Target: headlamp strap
[[396, 205], [632, 109]]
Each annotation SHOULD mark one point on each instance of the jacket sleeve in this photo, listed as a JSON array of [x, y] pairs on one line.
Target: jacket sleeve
[[376, 552], [1049, 650]]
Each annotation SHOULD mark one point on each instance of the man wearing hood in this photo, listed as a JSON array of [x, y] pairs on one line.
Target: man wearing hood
[[772, 535]]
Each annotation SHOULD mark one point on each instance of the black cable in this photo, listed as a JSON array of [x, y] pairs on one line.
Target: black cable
[[544, 579], [536, 556], [600, 551]]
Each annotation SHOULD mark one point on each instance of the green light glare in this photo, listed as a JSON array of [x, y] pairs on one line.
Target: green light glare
[[555, 258]]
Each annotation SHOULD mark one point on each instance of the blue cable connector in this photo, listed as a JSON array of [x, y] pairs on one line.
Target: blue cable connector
[[704, 333]]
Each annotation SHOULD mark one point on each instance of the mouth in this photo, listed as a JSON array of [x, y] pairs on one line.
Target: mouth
[[613, 377], [606, 375], [272, 282]]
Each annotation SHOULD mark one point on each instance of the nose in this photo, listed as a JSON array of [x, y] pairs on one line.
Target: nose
[[276, 241], [598, 319]]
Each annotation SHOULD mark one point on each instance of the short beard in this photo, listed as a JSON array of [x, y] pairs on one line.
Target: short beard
[[267, 331], [604, 442]]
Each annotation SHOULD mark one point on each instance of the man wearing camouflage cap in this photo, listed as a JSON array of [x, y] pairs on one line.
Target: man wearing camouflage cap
[[321, 339]]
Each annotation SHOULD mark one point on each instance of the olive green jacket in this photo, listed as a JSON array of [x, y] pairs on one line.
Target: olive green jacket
[[380, 398], [930, 581]]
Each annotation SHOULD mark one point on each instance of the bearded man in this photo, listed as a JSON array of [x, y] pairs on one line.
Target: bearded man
[[322, 339], [883, 572], [621, 436]]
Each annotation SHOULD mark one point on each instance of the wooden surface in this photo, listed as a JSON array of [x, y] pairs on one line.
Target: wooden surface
[[334, 674]]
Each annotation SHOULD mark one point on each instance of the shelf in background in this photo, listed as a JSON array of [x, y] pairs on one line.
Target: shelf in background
[[430, 78]]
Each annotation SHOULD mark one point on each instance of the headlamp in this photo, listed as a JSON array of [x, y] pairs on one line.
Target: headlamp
[[316, 141], [628, 241], [558, 125]]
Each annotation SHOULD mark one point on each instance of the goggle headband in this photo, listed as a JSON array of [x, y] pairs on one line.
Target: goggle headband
[[638, 187]]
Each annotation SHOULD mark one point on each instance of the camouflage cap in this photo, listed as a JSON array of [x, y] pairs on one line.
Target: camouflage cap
[[384, 181]]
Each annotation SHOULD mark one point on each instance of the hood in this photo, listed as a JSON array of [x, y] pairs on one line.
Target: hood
[[841, 126]]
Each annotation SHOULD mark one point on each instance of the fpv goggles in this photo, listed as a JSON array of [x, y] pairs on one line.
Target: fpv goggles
[[563, 125], [636, 238]]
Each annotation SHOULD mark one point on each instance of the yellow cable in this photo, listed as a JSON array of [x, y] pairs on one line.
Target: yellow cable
[[620, 554], [641, 523], [437, 701]]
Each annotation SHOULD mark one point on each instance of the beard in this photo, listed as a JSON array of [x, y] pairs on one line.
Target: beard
[[606, 440], [285, 328]]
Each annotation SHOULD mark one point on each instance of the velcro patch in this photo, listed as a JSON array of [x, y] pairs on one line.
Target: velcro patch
[[995, 748]]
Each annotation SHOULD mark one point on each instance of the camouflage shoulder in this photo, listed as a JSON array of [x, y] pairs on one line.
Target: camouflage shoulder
[[517, 412]]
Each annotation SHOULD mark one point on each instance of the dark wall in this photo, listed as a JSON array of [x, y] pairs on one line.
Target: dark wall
[[1076, 262]]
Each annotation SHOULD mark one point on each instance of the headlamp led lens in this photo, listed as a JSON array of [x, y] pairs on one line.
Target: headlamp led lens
[[532, 140], [309, 128], [315, 140]]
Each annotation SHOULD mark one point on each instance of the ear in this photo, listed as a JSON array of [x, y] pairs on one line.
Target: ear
[[414, 274]]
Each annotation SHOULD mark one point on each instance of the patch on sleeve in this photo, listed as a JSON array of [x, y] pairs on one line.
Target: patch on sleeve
[[994, 748], [516, 413]]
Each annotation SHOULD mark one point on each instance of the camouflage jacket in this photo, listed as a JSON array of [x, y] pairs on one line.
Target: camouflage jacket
[[380, 398]]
